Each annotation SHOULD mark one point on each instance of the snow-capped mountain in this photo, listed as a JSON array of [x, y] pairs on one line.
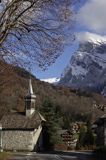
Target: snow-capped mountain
[[87, 68], [51, 80]]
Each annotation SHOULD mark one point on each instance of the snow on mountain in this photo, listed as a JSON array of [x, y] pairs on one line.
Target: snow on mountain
[[51, 80], [90, 37], [87, 68]]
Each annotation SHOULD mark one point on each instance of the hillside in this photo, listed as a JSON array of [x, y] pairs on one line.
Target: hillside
[[76, 103]]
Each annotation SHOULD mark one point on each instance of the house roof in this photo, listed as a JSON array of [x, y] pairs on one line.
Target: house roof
[[20, 121], [42, 118]]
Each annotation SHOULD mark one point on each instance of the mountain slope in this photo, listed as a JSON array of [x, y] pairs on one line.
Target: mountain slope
[[70, 101], [87, 68]]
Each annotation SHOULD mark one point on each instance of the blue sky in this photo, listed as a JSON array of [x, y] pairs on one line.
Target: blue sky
[[90, 24], [56, 69]]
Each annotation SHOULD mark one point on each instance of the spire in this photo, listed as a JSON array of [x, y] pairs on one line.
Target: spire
[[30, 99], [30, 87], [30, 90]]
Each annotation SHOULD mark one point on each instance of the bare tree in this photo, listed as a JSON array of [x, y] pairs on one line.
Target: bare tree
[[34, 30], [6, 74]]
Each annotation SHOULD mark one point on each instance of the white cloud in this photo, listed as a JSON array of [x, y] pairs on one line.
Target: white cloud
[[93, 16], [91, 37]]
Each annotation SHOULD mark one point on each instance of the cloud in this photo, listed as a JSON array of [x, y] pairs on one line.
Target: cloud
[[91, 37], [92, 15]]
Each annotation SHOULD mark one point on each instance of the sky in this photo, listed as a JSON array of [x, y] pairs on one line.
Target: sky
[[56, 69], [90, 24]]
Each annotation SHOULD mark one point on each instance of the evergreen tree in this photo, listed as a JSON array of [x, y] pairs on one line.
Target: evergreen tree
[[86, 136], [80, 142], [89, 136], [66, 120], [51, 127]]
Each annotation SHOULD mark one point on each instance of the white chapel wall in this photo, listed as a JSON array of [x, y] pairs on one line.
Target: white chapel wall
[[18, 140]]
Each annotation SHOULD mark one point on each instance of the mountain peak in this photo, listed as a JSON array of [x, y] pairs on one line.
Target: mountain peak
[[51, 80], [87, 68]]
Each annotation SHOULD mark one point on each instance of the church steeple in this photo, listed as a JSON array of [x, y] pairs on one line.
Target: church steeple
[[30, 87], [30, 100]]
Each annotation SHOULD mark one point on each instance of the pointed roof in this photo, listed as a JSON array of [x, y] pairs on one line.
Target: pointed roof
[[30, 90], [42, 118], [30, 87]]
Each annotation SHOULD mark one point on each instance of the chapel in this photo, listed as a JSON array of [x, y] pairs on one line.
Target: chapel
[[23, 131]]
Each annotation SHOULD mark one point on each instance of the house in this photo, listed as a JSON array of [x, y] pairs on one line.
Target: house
[[101, 130], [68, 138], [23, 131]]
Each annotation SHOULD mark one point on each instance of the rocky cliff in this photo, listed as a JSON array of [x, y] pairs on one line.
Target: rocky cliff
[[87, 68]]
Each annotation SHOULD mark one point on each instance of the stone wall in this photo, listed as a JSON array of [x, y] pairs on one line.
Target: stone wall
[[20, 140]]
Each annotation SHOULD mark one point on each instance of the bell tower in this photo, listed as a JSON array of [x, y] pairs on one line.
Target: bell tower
[[30, 100]]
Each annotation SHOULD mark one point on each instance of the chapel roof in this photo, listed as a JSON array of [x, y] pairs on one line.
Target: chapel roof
[[19, 121]]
